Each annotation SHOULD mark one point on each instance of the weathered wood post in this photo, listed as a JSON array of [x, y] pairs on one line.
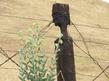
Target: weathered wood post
[[65, 55]]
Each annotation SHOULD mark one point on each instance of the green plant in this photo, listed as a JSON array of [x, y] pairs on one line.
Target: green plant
[[33, 61]]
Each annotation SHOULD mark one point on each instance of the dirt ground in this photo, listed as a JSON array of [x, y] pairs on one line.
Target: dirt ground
[[90, 16]]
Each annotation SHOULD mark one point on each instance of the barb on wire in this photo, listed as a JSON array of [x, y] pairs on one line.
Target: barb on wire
[[97, 26], [30, 18], [49, 53], [88, 52], [57, 74], [7, 60], [8, 68], [100, 73], [107, 44], [89, 75], [20, 17], [6, 55]]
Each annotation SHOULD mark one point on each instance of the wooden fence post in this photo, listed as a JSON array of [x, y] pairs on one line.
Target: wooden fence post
[[65, 55]]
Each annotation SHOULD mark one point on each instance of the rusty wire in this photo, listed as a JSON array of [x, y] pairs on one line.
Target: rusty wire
[[10, 58], [49, 36], [52, 37], [88, 52], [57, 74], [21, 17], [49, 53], [98, 26], [6, 55], [100, 73], [95, 61]]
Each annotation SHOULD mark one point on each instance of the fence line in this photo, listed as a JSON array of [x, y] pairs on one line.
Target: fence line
[[94, 60], [88, 52], [18, 66], [100, 73], [49, 53], [98, 26], [20, 17], [78, 73], [102, 43]]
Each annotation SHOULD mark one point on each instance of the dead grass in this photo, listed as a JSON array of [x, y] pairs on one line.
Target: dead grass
[[90, 12]]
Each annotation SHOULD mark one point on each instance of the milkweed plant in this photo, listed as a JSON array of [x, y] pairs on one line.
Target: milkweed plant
[[33, 61]]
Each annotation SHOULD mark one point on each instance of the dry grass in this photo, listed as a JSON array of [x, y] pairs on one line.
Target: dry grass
[[91, 12]]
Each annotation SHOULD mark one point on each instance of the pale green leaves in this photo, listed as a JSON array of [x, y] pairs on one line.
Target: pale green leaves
[[33, 61]]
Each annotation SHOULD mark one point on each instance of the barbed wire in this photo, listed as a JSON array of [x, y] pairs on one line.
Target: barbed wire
[[90, 26], [76, 40], [18, 66], [98, 26], [100, 73], [48, 36], [88, 52], [6, 55], [76, 73], [10, 58], [102, 70], [9, 68], [21, 17], [49, 53], [89, 75]]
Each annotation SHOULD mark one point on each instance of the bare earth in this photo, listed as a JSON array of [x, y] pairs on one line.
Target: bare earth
[[90, 16]]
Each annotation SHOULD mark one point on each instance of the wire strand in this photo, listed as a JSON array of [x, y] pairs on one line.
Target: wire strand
[[100, 73], [88, 52]]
